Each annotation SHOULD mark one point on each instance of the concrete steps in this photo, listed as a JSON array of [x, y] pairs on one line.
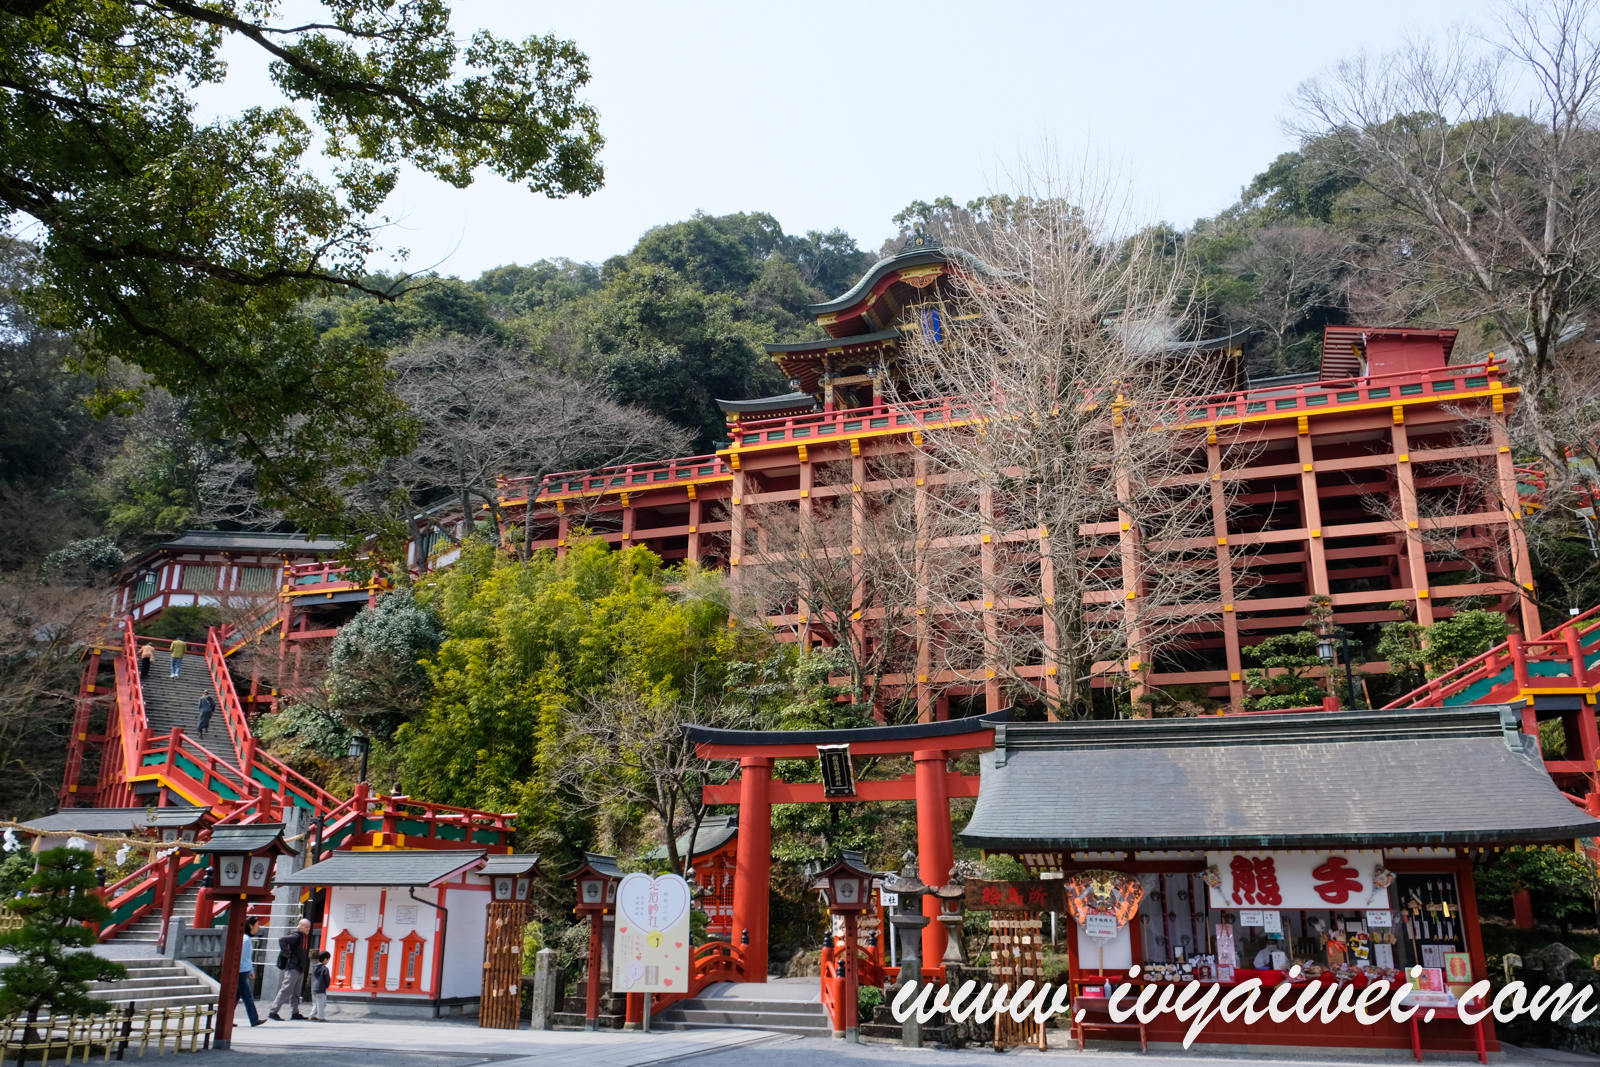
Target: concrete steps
[[170, 701], [155, 983], [805, 1019], [147, 931]]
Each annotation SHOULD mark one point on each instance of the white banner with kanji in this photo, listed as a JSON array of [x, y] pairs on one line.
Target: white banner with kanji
[[1312, 880]]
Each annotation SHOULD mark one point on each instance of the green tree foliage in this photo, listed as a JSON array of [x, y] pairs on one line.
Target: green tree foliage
[[186, 247], [188, 624], [1295, 654], [375, 672], [1561, 882], [53, 971], [1430, 651], [524, 642]]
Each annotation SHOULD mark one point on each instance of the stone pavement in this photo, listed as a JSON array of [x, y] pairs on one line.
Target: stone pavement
[[367, 1042], [463, 1042]]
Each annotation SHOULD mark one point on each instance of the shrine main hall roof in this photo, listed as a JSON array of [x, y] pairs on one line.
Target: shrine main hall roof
[[1430, 776]]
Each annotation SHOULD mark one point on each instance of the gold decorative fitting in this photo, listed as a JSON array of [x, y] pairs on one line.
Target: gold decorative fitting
[[916, 439], [561, 544], [805, 618], [855, 489], [1233, 676], [1043, 532], [855, 614], [1399, 415], [919, 481], [1307, 468], [1422, 593], [1404, 457], [627, 537], [1216, 476], [1134, 664], [625, 500], [1211, 436], [805, 494], [1412, 524], [988, 674], [737, 500], [986, 538], [922, 677], [1126, 525], [855, 446], [803, 456], [922, 611], [733, 461], [1049, 600], [1051, 671], [1222, 540], [856, 550], [692, 493], [1132, 594], [734, 561], [988, 605], [561, 505], [1316, 533], [1305, 424], [694, 529], [1227, 607], [1499, 403]]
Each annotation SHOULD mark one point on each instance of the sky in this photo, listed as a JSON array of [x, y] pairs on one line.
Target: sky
[[831, 114]]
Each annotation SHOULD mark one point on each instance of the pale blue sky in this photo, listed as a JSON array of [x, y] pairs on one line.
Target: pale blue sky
[[838, 114]]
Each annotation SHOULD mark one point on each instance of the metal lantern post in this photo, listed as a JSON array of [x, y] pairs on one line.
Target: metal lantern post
[[596, 879], [848, 885], [361, 745], [241, 862], [1325, 652]]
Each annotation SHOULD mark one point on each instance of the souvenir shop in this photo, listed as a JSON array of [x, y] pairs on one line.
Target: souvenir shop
[[1231, 848]]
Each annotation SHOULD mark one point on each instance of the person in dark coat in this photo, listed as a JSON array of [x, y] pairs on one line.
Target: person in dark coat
[[294, 959], [208, 708]]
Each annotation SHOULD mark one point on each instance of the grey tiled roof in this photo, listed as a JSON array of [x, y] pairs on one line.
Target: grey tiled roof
[[511, 863], [250, 838], [1435, 776], [715, 831], [401, 867], [114, 820]]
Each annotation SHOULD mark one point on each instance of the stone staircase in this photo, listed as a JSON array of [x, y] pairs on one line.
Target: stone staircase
[[147, 931], [749, 1006], [154, 982], [170, 701]]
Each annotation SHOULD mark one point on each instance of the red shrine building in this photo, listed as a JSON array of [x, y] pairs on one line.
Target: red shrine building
[[1384, 482]]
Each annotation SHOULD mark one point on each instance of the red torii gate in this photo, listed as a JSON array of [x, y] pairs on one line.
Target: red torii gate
[[929, 744]]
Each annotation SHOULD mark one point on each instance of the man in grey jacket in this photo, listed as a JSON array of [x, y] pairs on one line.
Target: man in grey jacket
[[294, 957]]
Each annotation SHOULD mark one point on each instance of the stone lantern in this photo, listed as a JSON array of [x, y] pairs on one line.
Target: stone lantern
[[908, 920], [952, 912]]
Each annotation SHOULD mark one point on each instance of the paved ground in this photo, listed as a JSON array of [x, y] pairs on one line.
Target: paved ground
[[450, 1043]]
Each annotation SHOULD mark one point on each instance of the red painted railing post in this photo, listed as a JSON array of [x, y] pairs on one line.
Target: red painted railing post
[[1519, 660], [1575, 654]]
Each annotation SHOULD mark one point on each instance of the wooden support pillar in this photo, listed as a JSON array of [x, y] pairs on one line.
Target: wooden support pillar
[[1131, 556], [752, 875], [993, 698], [1311, 512], [858, 538], [1230, 617], [935, 851], [1415, 554], [628, 519], [591, 1000], [694, 525], [1510, 505], [925, 697]]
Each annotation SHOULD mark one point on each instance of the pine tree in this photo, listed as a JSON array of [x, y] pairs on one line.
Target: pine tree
[[54, 968]]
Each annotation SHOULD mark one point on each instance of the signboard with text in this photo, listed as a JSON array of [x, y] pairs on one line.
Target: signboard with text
[[651, 953], [1014, 896], [1323, 880]]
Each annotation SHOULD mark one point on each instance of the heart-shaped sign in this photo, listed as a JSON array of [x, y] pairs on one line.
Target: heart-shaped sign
[[652, 903]]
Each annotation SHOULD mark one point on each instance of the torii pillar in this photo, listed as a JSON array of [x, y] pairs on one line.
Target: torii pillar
[[752, 872], [935, 850]]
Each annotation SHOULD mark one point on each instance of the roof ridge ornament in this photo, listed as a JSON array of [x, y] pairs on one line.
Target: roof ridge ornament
[[919, 241]]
